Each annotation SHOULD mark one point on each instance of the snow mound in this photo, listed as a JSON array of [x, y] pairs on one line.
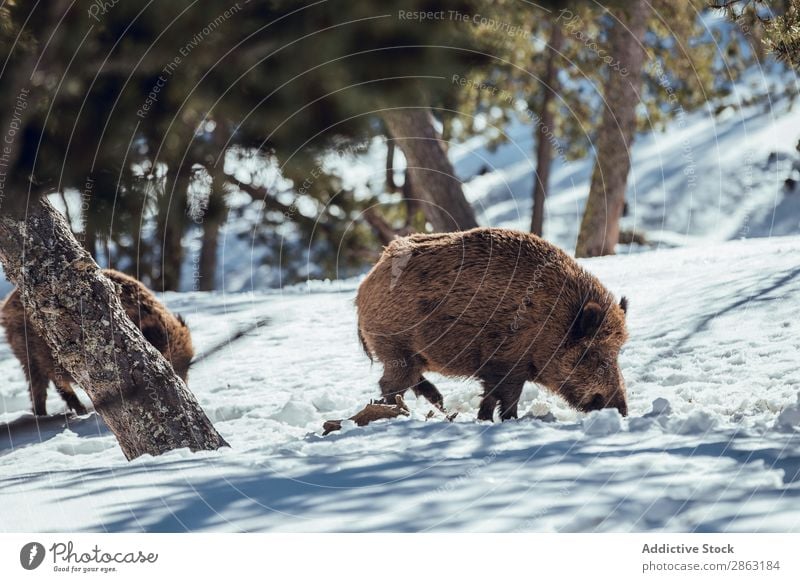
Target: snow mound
[[661, 407], [698, 422], [602, 422], [296, 413], [789, 418]]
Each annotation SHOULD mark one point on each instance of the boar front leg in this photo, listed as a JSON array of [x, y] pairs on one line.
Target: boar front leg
[[509, 399], [488, 404]]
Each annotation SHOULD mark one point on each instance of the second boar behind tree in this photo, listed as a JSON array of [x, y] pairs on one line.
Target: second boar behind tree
[[506, 307], [166, 332]]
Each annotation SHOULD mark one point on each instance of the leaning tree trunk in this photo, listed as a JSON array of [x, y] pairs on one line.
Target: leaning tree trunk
[[599, 232], [430, 170], [78, 313], [544, 149]]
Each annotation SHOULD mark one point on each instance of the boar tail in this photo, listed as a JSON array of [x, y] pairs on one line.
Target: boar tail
[[364, 345]]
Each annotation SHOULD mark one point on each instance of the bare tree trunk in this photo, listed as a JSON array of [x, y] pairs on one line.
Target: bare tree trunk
[[753, 31], [78, 313], [544, 149], [382, 229], [141, 255], [170, 226], [89, 237], [214, 218], [208, 255], [600, 226], [391, 185], [431, 172]]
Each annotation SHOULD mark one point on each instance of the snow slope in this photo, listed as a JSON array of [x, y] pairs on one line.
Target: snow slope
[[704, 178], [711, 443]]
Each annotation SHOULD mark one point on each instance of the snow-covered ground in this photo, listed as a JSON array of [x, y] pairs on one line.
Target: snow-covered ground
[[712, 442]]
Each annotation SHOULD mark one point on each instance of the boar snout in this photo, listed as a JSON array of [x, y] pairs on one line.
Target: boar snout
[[622, 406], [599, 401]]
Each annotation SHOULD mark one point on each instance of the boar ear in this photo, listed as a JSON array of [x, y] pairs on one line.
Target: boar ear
[[589, 320], [623, 303]]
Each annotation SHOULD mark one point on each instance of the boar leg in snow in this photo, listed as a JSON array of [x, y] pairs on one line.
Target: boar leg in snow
[[403, 373], [488, 404], [509, 400], [37, 379], [68, 394], [428, 390], [502, 389], [37, 382]]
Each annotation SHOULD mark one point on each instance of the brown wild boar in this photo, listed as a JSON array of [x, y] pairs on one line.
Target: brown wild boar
[[166, 332], [506, 307]]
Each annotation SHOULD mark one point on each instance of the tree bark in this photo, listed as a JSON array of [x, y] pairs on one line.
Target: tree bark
[[78, 313], [600, 226], [382, 229], [141, 255], [544, 149], [208, 255], [212, 221], [89, 237], [431, 172], [170, 226], [391, 185]]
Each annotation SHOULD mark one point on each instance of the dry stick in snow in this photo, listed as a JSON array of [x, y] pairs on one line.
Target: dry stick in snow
[[370, 413], [376, 411]]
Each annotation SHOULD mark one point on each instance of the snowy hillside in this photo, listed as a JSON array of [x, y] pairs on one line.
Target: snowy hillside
[[705, 178], [712, 442]]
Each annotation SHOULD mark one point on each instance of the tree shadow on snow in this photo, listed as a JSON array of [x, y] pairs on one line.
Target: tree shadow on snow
[[394, 491], [703, 323], [29, 429]]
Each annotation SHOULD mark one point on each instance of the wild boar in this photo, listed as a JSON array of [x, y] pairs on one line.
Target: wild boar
[[503, 306], [166, 332]]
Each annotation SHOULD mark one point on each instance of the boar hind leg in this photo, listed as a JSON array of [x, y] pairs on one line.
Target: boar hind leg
[[68, 394], [37, 382], [430, 392], [397, 378], [401, 373]]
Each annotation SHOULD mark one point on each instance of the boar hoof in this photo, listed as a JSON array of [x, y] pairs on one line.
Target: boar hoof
[[486, 411]]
